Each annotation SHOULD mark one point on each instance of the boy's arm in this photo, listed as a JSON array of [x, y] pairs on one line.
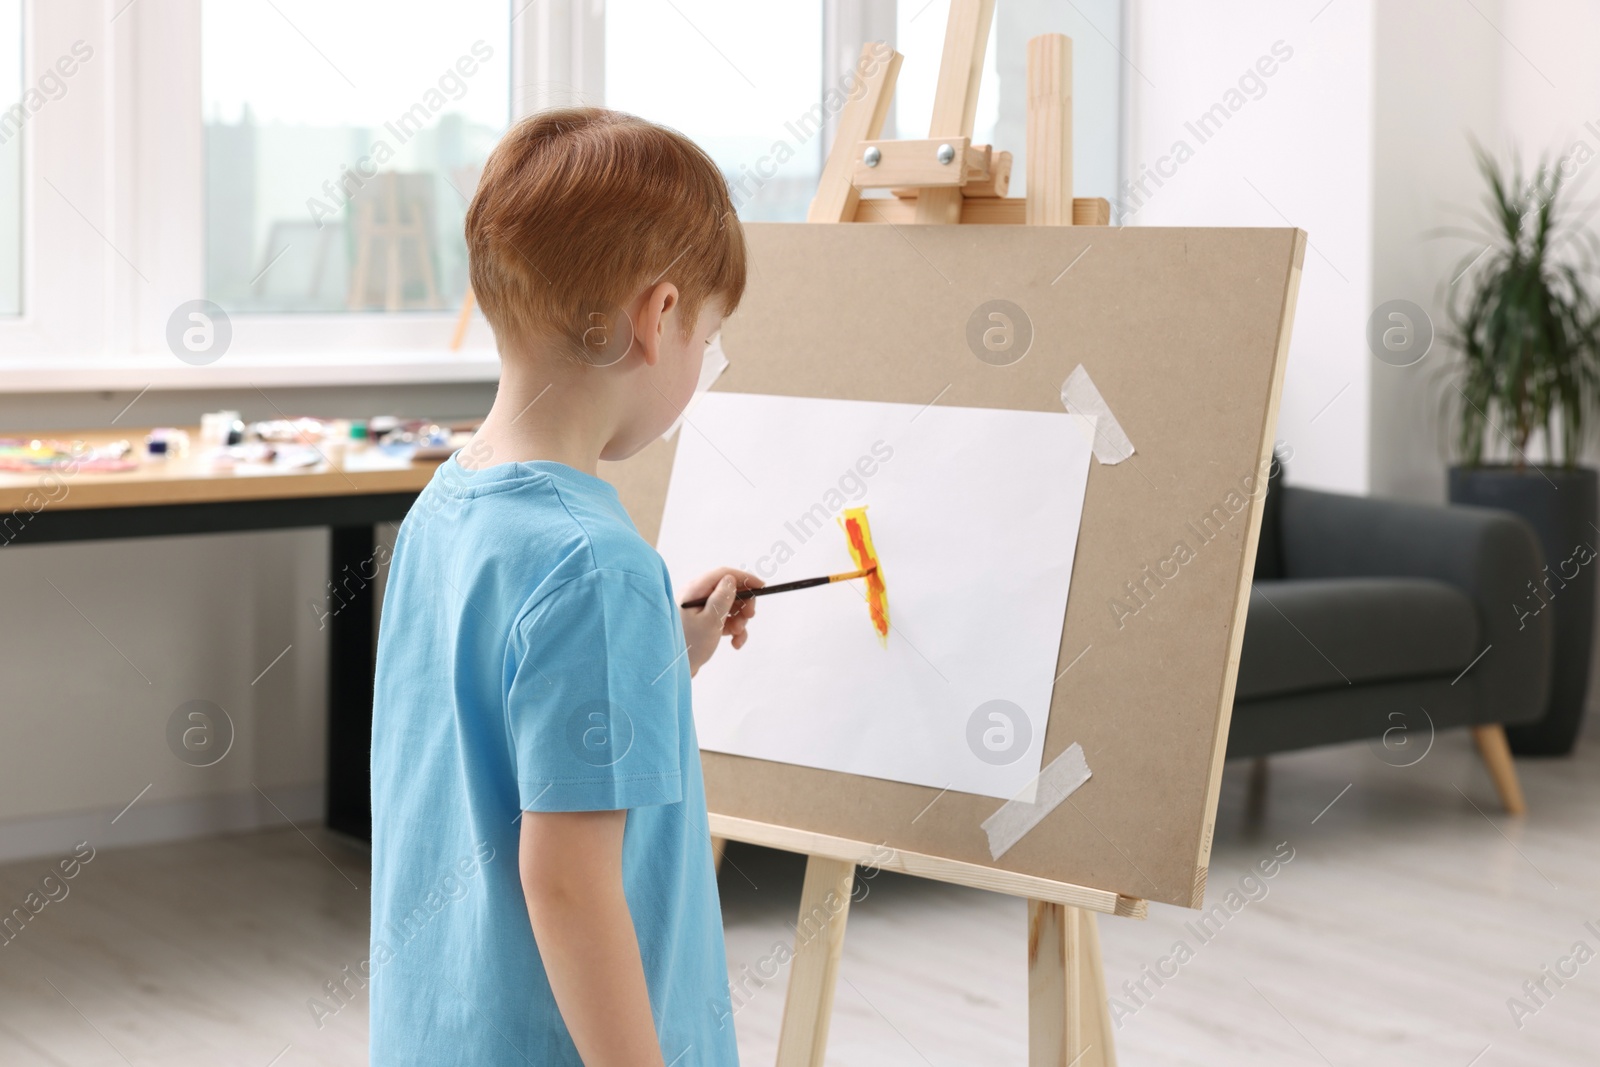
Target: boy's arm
[[571, 867]]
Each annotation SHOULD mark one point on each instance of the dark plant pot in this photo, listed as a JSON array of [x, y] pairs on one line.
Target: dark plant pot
[[1560, 503]]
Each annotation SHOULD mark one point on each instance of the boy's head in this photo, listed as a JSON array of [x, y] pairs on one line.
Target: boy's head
[[599, 238]]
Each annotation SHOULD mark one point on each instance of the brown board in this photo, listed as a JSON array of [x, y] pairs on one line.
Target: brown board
[[1185, 332]]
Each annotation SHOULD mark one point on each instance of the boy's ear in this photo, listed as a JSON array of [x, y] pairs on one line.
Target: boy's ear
[[653, 319]]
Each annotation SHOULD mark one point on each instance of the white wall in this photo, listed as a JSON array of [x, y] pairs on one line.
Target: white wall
[[1438, 70], [1521, 78], [1363, 140], [163, 621], [1297, 151]]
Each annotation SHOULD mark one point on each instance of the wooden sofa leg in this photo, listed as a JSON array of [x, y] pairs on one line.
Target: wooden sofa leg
[[1255, 802], [1496, 753]]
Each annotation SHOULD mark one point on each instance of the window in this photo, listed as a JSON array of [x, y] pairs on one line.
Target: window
[[342, 144], [11, 125], [742, 80]]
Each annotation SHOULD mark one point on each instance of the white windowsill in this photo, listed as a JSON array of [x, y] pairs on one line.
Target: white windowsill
[[242, 370]]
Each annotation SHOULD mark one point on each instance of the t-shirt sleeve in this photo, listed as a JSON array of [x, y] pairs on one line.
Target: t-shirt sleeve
[[592, 698]]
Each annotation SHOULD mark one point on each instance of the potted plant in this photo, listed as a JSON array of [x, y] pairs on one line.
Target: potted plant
[[1525, 327]]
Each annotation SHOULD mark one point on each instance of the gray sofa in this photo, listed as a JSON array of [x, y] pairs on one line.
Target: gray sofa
[[1385, 620]]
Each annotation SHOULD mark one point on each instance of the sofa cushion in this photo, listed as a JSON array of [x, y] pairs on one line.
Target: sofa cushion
[[1315, 633], [1269, 549]]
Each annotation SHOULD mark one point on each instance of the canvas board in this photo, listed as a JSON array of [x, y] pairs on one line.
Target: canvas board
[[1185, 333]]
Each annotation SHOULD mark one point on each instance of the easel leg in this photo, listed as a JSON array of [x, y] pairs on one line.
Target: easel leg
[[955, 100], [1069, 1021], [1096, 1007], [818, 948]]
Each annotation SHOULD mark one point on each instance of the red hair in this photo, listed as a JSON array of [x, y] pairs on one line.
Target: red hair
[[579, 209]]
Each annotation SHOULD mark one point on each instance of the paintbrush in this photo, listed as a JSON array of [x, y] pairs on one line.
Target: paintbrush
[[786, 587]]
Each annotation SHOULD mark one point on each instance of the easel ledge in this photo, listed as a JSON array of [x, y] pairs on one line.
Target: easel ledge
[[921, 865]]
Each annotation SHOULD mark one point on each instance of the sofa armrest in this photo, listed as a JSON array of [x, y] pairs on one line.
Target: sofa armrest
[[1489, 554]]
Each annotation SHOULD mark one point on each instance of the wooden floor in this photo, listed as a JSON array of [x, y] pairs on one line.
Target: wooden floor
[[1411, 913]]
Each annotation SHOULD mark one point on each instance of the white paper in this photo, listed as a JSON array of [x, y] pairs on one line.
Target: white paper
[[974, 514]]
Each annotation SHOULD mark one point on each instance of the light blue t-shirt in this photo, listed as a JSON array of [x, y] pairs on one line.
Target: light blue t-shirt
[[531, 658]]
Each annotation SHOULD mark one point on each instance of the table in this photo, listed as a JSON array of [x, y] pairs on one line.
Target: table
[[186, 495]]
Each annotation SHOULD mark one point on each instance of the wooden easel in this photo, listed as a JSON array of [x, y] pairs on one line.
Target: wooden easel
[[945, 179]]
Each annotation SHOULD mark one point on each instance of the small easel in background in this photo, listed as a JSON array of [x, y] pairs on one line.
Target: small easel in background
[[463, 179], [464, 319], [395, 215], [946, 179]]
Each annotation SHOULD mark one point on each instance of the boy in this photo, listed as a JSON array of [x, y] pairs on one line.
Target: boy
[[543, 886]]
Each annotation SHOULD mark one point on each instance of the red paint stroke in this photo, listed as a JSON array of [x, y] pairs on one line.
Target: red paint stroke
[[859, 533]]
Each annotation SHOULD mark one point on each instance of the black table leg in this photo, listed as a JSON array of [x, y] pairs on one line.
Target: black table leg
[[348, 614]]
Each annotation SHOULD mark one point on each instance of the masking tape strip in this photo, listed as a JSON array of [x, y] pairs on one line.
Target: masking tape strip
[[1055, 783], [1079, 396], [710, 370]]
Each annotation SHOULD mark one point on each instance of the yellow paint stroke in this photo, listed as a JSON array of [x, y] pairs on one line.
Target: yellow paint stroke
[[854, 522]]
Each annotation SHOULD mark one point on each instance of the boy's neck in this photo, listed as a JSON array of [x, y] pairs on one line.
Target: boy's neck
[[545, 410]]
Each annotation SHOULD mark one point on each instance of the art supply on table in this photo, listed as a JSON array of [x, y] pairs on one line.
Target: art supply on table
[[438, 442], [227, 444], [384, 442], [18, 455], [164, 442], [336, 441], [220, 429], [788, 587]]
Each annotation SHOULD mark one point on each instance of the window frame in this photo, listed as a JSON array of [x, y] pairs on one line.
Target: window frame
[[71, 243]]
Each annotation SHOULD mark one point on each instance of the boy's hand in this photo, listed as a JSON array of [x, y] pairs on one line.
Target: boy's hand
[[723, 614]]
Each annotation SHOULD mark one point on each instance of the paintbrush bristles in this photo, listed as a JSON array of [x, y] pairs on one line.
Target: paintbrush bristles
[[853, 574]]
